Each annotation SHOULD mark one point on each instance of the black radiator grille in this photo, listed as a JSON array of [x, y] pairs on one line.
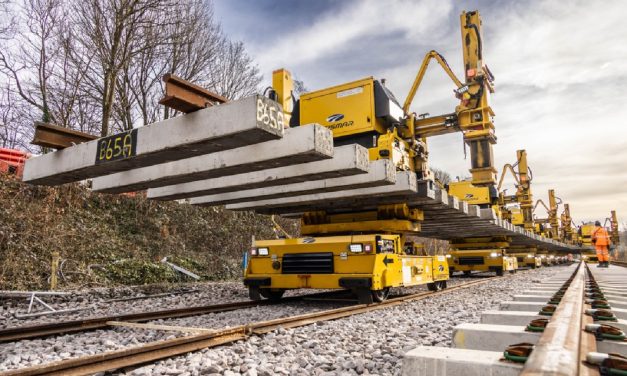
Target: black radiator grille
[[471, 260], [308, 263]]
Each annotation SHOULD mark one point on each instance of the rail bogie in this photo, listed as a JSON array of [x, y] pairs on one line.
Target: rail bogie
[[367, 264]]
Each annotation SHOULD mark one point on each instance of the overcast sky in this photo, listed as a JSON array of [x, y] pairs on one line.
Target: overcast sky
[[560, 68]]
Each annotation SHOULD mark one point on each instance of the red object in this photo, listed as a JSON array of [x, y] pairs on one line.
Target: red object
[[12, 161]]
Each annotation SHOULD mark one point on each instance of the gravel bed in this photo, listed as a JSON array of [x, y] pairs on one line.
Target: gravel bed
[[372, 343], [99, 301], [32, 352]]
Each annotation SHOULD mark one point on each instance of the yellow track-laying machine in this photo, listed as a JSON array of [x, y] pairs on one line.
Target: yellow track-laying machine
[[371, 251]]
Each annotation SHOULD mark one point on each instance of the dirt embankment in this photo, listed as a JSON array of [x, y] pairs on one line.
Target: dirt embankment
[[113, 239]]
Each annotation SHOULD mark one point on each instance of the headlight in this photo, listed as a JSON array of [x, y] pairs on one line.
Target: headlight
[[262, 251], [552, 257], [494, 254], [530, 255], [368, 248], [356, 248], [253, 251], [448, 256]]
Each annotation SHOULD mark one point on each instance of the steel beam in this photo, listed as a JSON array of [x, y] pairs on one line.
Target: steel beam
[[56, 137]]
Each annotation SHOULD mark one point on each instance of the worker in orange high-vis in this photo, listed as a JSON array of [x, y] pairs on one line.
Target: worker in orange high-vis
[[601, 241]]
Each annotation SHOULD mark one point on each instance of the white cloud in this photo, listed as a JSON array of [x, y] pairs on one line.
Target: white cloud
[[353, 21], [560, 72]]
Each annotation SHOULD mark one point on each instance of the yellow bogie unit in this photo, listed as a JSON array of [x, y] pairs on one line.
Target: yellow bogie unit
[[526, 259], [589, 256], [367, 264], [482, 260]]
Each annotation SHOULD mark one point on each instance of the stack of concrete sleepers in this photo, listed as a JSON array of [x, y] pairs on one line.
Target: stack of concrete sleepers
[[238, 155]]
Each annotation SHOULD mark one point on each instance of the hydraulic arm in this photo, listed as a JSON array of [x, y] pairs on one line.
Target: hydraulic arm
[[566, 230], [614, 234], [522, 175], [551, 209], [473, 116]]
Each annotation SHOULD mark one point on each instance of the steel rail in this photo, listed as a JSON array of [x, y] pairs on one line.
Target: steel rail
[[81, 325], [560, 347], [153, 351]]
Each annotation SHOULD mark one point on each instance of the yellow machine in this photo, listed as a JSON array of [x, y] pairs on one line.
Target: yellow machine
[[553, 229], [614, 233], [479, 254], [589, 255], [368, 251], [567, 235], [585, 237], [496, 254]]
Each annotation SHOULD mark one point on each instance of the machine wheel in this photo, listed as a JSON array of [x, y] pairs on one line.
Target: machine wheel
[[467, 273], [272, 295], [499, 272], [364, 296], [380, 295], [512, 271], [253, 293], [436, 286]]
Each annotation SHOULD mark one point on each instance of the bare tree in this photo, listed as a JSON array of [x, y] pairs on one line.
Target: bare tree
[[109, 29], [31, 69], [96, 65], [441, 176], [236, 76]]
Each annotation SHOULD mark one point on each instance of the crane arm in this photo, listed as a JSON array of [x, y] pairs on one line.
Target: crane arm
[[421, 74], [543, 204], [507, 167]]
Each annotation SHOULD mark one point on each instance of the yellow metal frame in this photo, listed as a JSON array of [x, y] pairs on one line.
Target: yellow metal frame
[[390, 269]]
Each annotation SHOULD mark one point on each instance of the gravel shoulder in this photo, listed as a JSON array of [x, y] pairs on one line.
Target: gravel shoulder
[[371, 343]]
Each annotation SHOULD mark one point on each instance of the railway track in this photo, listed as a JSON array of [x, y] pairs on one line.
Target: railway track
[[103, 322], [558, 328], [153, 351]]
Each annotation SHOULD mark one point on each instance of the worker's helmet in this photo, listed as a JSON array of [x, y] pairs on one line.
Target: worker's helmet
[[597, 223]]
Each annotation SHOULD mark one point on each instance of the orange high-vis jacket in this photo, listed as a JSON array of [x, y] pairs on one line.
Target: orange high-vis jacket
[[601, 236]]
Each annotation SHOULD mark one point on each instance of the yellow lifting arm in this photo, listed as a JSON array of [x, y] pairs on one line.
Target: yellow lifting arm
[[421, 74], [523, 187], [615, 236], [473, 116], [543, 204]]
